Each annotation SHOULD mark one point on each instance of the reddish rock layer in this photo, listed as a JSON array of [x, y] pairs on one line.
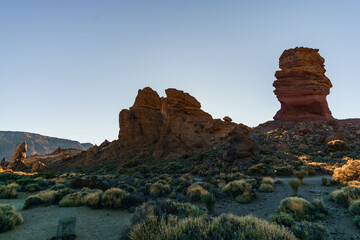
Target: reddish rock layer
[[301, 86], [172, 125]]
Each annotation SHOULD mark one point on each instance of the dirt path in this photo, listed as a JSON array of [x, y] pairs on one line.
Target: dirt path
[[41, 223], [338, 222]]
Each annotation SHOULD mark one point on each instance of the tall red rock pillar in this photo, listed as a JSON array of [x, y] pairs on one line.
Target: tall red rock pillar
[[301, 86]]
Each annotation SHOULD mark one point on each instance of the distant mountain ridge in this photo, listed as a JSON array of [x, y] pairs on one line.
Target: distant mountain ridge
[[36, 143]]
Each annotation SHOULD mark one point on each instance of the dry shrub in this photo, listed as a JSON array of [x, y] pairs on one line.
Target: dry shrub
[[355, 207], [159, 188], [345, 196], [268, 180], [245, 197], [226, 226], [237, 187], [299, 208], [9, 218], [112, 197], [72, 200], [264, 187], [294, 184], [93, 200], [195, 192], [7, 192], [348, 172]]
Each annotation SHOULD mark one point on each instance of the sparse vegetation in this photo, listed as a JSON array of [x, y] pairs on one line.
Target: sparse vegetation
[[266, 188], [9, 218], [298, 208], [112, 197], [301, 175], [209, 200], [345, 196], [195, 192], [7, 192], [225, 226], [294, 184], [324, 181]]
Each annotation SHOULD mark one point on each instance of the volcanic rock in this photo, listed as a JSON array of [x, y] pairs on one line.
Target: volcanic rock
[[19, 153], [17, 159], [301, 86], [171, 125]]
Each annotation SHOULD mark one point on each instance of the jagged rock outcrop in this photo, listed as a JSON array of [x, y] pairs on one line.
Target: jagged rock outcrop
[[301, 86], [171, 125], [18, 157]]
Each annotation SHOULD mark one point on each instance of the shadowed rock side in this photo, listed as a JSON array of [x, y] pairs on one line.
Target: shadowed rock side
[[301, 86], [17, 159], [173, 125], [165, 127]]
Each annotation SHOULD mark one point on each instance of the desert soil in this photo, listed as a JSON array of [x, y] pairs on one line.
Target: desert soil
[[41, 223]]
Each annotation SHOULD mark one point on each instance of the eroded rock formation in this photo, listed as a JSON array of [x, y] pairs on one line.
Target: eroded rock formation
[[301, 86], [172, 125], [18, 157]]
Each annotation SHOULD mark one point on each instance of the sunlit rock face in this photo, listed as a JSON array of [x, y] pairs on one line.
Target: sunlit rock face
[[301, 86]]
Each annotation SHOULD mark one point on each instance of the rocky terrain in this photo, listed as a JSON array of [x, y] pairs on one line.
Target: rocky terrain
[[36, 143]]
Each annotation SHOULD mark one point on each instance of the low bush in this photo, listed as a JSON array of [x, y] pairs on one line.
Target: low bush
[[32, 187], [264, 187], [7, 192], [226, 226], [112, 197], [163, 208], [93, 200], [281, 218], [32, 201], [159, 188], [294, 184], [268, 180], [46, 197], [320, 210], [348, 172], [309, 231], [345, 196], [195, 192], [237, 187], [355, 207], [209, 200], [9, 218], [72, 200], [298, 208], [245, 197]]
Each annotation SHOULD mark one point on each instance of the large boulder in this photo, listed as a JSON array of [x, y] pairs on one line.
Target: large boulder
[[301, 86]]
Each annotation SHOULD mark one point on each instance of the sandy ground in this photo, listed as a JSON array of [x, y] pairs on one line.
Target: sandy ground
[[338, 222], [41, 223]]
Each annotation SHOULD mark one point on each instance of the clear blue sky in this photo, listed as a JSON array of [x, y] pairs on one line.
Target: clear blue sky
[[67, 67]]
